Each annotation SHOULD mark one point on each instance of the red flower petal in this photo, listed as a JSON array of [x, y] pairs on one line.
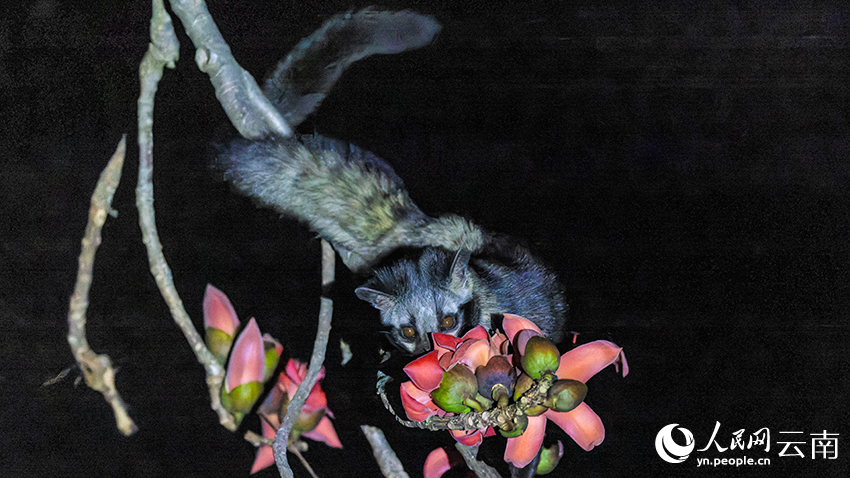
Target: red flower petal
[[265, 454], [522, 449], [417, 404], [446, 341], [472, 353], [468, 437], [425, 371], [325, 433], [512, 324], [218, 311], [582, 424], [586, 360], [477, 332], [437, 463], [247, 358]]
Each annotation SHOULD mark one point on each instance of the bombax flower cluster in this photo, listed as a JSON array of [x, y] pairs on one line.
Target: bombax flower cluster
[[251, 361], [511, 382]]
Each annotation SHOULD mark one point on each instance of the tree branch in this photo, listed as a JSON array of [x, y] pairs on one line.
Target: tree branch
[[97, 369], [237, 91], [387, 460], [316, 360], [163, 51]]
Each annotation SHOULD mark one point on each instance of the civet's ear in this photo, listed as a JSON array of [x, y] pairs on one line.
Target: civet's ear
[[379, 300], [458, 275]]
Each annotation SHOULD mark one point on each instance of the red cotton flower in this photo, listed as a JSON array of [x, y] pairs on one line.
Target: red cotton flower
[[313, 422], [582, 424], [474, 350]]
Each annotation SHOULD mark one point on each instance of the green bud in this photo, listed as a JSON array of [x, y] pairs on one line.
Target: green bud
[[549, 458], [523, 384], [565, 395], [305, 423], [219, 343], [242, 398], [514, 428], [536, 410], [541, 356], [272, 358], [458, 385]]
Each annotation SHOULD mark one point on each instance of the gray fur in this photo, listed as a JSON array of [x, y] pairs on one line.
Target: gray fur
[[429, 274]]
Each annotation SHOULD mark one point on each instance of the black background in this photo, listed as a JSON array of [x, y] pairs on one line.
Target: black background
[[683, 166]]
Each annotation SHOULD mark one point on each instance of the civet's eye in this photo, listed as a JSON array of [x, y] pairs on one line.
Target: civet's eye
[[447, 322], [408, 332]]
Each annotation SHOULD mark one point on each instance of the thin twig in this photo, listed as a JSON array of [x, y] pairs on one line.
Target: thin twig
[[316, 360], [163, 51], [97, 369], [469, 454], [387, 460]]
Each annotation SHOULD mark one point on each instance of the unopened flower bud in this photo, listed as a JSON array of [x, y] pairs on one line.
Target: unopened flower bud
[[457, 386], [565, 395], [523, 384], [514, 428], [549, 458], [541, 356], [496, 379], [219, 343]]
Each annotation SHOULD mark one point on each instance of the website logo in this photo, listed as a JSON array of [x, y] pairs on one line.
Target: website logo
[[668, 449]]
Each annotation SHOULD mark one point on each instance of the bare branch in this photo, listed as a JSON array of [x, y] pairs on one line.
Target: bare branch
[[469, 454], [387, 460], [237, 91], [316, 360], [163, 51], [97, 369]]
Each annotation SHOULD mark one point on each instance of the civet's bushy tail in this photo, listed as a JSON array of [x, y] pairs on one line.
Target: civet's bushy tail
[[349, 196], [428, 274]]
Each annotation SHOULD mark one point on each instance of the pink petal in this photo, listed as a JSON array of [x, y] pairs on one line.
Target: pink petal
[[522, 449], [512, 324], [472, 353], [425, 371], [521, 339], [265, 454], [317, 398], [417, 404], [499, 343], [468, 437], [437, 463], [247, 358], [477, 332], [218, 311], [325, 433], [586, 360], [445, 341], [581, 423]]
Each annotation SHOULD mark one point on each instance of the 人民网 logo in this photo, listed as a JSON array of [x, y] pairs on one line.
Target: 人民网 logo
[[668, 449]]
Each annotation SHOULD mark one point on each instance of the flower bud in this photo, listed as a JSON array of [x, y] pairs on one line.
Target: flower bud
[[219, 343], [241, 399], [457, 387], [307, 422], [565, 395], [523, 384], [540, 357], [549, 458], [514, 428], [272, 349], [496, 379]]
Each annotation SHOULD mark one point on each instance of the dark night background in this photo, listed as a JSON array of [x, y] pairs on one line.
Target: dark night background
[[684, 167]]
